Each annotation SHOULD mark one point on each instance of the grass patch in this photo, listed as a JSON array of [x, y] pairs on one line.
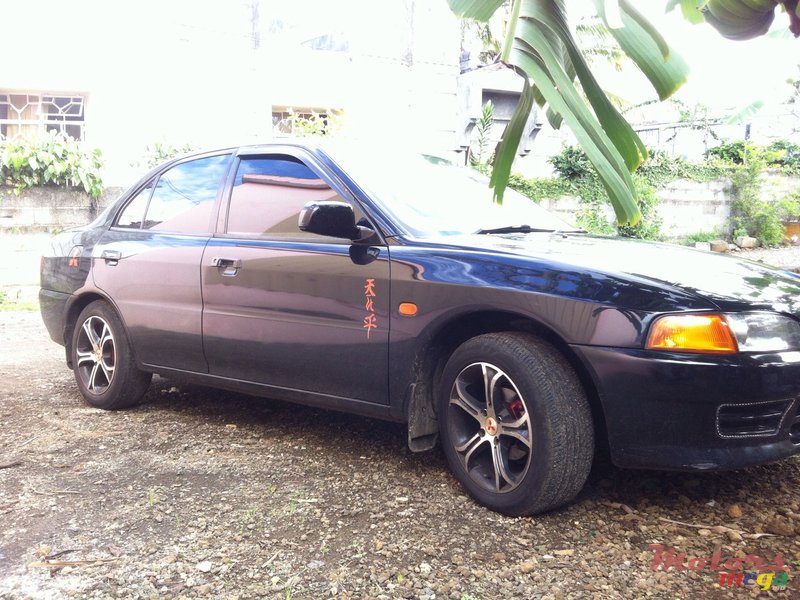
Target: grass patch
[[8, 304]]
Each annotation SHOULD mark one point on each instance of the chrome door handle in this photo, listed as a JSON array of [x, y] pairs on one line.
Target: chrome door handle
[[111, 256], [230, 266]]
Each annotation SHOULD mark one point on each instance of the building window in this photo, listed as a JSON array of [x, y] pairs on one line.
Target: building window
[[287, 120], [25, 115]]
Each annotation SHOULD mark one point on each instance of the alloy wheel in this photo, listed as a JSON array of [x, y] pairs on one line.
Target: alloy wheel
[[96, 355], [490, 427]]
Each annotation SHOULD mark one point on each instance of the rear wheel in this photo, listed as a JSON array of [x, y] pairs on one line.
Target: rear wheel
[[102, 360], [515, 423]]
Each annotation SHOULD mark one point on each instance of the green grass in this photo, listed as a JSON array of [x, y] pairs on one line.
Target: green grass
[[8, 305]]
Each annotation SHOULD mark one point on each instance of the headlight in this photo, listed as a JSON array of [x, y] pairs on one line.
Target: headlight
[[764, 332], [714, 333]]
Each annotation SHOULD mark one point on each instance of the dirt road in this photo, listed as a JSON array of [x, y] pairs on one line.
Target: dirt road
[[208, 494]]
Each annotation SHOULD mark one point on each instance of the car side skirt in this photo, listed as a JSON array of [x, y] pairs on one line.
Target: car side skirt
[[325, 401]]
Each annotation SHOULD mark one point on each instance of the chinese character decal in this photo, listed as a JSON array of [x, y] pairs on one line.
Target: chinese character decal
[[370, 320]]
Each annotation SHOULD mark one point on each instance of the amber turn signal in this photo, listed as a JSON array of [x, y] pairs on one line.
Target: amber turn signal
[[407, 309], [707, 333]]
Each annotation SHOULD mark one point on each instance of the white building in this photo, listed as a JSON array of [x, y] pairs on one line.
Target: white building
[[122, 76]]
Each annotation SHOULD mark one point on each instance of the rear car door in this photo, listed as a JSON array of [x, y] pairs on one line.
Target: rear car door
[[148, 262], [291, 309]]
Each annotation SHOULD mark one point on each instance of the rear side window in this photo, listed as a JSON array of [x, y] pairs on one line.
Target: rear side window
[[182, 199], [268, 194]]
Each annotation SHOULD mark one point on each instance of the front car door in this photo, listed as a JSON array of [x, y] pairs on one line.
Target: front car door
[[294, 310]]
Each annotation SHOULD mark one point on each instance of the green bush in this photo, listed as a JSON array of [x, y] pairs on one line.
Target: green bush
[[574, 169], [786, 156], [701, 236], [649, 228], [740, 152], [736, 152], [571, 163], [539, 188], [789, 208], [766, 224], [159, 153], [54, 159]]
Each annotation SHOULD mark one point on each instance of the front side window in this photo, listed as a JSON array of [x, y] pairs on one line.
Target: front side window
[[181, 201], [268, 194]]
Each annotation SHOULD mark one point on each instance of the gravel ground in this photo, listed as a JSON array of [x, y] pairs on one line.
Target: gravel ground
[[785, 257], [207, 494]]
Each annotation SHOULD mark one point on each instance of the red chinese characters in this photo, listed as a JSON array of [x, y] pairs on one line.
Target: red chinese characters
[[370, 320]]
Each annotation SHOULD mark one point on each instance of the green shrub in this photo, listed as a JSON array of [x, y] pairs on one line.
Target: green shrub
[[592, 218], [539, 188], [789, 208], [571, 163], [786, 156], [159, 153], [766, 224], [732, 152], [54, 159], [649, 228], [701, 236]]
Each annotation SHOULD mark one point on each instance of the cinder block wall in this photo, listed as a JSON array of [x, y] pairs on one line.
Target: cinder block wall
[[50, 208]]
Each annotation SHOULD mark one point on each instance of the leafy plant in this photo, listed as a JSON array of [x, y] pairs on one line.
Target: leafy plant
[[573, 166], [158, 153], [786, 156], [483, 128], [540, 46], [701, 236], [735, 152], [750, 215], [539, 188], [789, 208], [315, 123], [649, 227], [592, 218], [571, 163], [53, 159]]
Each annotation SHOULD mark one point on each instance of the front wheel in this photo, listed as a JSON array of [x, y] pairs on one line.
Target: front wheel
[[102, 360], [515, 423]]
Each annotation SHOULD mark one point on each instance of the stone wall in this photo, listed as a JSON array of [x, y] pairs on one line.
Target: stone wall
[[689, 206], [686, 206], [50, 208]]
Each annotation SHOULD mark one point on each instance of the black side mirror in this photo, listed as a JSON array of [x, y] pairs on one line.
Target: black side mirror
[[333, 219]]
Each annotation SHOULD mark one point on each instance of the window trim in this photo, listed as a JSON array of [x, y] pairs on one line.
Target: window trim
[[310, 161], [153, 178]]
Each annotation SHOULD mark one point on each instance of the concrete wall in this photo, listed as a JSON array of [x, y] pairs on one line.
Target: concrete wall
[[686, 206], [50, 208]]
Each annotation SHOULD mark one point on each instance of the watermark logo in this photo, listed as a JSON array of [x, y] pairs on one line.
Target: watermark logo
[[749, 571]]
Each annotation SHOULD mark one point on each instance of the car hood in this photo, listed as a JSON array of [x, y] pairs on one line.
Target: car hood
[[729, 282]]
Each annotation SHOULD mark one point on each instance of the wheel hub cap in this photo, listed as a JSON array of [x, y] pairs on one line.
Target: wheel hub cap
[[490, 427]]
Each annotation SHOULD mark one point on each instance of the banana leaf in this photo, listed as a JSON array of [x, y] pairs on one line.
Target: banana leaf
[[541, 48]]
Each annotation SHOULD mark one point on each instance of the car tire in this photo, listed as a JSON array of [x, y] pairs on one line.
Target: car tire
[[528, 449], [102, 360]]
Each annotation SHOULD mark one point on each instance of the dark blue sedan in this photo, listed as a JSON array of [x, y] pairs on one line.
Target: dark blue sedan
[[395, 288]]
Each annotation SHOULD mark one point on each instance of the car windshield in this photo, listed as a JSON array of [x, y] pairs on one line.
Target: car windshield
[[430, 196]]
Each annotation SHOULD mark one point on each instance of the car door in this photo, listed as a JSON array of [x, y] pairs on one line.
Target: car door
[[287, 308], [148, 262]]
